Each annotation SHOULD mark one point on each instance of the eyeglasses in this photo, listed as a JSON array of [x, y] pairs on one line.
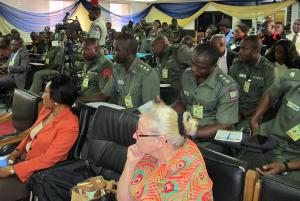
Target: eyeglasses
[[139, 134]]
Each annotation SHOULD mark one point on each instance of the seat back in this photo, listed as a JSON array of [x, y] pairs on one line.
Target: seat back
[[227, 173], [110, 133], [24, 109], [279, 188]]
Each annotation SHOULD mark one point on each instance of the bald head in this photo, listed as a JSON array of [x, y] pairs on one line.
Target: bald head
[[218, 40]]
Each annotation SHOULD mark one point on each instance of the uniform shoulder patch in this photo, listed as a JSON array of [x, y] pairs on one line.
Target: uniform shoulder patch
[[225, 79], [292, 74], [144, 67]]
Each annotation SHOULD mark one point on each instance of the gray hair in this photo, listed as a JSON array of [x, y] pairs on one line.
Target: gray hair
[[165, 123]]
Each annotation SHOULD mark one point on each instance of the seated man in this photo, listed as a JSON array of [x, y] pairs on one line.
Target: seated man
[[209, 94], [97, 68], [15, 70], [5, 50], [226, 55], [172, 60], [133, 82], [285, 126], [54, 61], [254, 74]]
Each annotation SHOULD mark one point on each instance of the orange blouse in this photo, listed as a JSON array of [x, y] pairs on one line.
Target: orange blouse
[[184, 177], [51, 145]]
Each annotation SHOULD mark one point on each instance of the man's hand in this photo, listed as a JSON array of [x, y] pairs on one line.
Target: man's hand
[[254, 126], [273, 168], [4, 172]]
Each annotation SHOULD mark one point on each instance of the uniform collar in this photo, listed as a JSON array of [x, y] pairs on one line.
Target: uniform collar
[[258, 63], [133, 65], [211, 81]]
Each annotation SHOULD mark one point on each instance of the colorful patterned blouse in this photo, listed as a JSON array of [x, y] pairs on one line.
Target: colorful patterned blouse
[[184, 177]]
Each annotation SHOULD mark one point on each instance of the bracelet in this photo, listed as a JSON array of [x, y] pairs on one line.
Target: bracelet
[[286, 166]]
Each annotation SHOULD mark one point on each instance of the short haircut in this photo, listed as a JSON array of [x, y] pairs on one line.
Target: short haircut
[[243, 27], [218, 36], [254, 40], [63, 90], [132, 43], [96, 10], [225, 23], [209, 51], [158, 21], [90, 41], [212, 27], [186, 39]]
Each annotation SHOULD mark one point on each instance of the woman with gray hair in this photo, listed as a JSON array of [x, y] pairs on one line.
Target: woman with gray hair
[[163, 164]]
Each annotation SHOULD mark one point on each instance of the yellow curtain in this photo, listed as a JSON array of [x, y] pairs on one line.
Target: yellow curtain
[[157, 14], [83, 17], [5, 27], [242, 12]]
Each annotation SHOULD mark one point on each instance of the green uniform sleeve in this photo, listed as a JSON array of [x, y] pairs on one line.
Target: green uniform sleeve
[[110, 87], [228, 107], [95, 31], [269, 78], [151, 87], [105, 74], [184, 55], [276, 90]]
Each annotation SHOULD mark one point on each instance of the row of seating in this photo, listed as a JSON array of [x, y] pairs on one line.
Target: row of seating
[[104, 139]]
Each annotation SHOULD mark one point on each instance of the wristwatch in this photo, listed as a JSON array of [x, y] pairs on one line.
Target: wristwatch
[[11, 170], [286, 166]]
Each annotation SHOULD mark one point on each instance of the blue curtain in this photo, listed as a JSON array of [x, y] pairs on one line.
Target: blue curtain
[[135, 17], [29, 21], [179, 10]]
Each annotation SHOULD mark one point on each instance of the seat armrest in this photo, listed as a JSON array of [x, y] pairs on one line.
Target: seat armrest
[[7, 117], [14, 139], [251, 178]]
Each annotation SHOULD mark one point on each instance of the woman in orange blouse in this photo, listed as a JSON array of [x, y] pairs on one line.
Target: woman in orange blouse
[[163, 165], [48, 141]]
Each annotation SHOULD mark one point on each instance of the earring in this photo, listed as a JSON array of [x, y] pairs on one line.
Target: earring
[[55, 103]]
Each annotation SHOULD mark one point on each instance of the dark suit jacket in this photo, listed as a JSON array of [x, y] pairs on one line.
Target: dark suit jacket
[[19, 70], [229, 58]]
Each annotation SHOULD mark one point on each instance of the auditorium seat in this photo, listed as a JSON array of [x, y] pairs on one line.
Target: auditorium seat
[[277, 188], [24, 113], [229, 176], [102, 143]]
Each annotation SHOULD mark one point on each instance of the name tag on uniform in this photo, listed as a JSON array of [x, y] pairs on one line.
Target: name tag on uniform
[[258, 78], [233, 95], [85, 82], [128, 102], [242, 75], [121, 82], [294, 133], [293, 106], [47, 61], [186, 93], [165, 73], [197, 111], [247, 86]]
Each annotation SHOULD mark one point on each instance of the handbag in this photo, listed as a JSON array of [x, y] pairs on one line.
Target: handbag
[[94, 188]]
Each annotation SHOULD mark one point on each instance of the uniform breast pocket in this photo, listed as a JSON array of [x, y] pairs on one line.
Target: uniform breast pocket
[[291, 109], [256, 87]]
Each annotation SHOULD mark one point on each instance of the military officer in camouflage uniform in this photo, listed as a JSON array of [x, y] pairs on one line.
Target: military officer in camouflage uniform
[[285, 127], [168, 33], [139, 33], [133, 82], [254, 74], [98, 27], [172, 60], [97, 68], [209, 94], [53, 64]]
